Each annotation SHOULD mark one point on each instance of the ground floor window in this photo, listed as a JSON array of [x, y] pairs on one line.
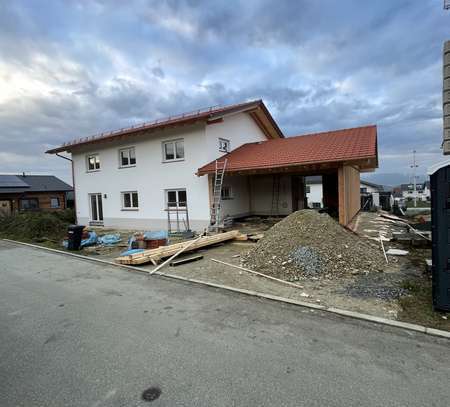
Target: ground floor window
[[29, 204], [226, 192], [176, 198], [130, 200], [55, 202]]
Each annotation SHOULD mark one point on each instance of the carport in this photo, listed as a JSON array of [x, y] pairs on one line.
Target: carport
[[259, 176]]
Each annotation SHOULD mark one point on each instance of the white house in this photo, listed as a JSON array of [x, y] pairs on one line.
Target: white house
[[406, 192], [130, 178]]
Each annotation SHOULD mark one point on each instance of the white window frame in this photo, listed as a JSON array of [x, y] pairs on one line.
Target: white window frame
[[58, 200], [132, 207], [230, 193], [224, 145], [173, 142], [97, 161], [127, 150], [177, 190]]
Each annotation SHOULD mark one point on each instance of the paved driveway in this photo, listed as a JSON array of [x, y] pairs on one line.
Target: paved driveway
[[74, 333]]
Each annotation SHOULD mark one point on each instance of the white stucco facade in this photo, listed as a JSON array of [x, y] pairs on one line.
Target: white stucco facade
[[151, 177]]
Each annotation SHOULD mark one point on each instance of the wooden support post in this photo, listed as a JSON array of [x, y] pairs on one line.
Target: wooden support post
[[349, 193]]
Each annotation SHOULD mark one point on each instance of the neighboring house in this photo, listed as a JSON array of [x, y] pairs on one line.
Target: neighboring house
[[135, 177], [32, 193], [405, 192], [372, 195]]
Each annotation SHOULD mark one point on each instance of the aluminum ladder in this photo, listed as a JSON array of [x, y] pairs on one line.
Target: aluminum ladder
[[217, 193]]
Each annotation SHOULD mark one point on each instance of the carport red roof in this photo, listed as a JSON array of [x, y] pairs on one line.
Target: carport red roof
[[332, 146]]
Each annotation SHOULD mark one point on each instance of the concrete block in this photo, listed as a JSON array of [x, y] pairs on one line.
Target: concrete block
[[446, 97], [446, 72], [446, 109], [447, 84], [438, 332], [446, 46], [446, 147]]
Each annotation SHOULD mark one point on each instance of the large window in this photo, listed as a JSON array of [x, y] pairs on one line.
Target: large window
[[29, 204], [224, 145], [176, 198], [127, 157], [173, 150], [130, 200], [93, 162], [55, 202]]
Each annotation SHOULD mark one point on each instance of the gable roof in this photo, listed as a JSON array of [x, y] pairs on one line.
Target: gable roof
[[371, 184], [256, 108], [32, 183], [332, 146]]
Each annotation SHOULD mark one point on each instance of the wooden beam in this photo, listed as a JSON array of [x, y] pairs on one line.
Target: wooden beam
[[349, 194]]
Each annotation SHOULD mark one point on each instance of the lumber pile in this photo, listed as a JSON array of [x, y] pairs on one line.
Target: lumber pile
[[155, 255]]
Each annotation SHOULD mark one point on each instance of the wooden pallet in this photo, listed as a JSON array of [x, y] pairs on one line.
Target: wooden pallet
[[155, 255]]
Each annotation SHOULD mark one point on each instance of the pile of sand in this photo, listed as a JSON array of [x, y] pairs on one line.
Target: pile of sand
[[310, 244]]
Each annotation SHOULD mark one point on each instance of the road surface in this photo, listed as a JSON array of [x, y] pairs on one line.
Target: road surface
[[75, 333]]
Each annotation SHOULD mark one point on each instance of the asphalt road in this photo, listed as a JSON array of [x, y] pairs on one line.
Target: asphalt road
[[74, 333]]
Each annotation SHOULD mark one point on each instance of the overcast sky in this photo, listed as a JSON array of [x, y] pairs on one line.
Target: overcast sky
[[74, 68]]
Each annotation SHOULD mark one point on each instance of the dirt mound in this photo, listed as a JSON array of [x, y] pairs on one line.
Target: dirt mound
[[310, 244]]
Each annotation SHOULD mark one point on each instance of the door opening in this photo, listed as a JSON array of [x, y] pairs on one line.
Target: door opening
[[96, 208]]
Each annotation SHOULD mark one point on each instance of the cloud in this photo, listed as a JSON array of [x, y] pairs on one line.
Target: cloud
[[76, 68]]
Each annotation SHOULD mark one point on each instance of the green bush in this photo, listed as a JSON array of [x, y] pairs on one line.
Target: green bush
[[36, 226]]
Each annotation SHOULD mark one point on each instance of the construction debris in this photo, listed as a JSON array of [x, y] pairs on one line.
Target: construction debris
[[155, 255], [185, 260], [312, 244], [397, 252]]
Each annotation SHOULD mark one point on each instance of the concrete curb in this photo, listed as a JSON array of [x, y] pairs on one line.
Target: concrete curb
[[332, 310]]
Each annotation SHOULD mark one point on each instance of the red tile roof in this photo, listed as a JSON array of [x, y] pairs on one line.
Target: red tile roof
[[209, 113], [331, 146]]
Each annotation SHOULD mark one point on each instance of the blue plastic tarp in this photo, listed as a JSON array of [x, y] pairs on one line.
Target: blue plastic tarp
[[108, 240], [156, 235], [90, 241], [131, 251]]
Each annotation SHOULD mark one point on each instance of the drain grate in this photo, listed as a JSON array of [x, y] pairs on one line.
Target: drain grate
[[151, 394]]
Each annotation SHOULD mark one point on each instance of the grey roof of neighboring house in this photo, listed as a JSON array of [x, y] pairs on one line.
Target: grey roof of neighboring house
[[10, 184], [371, 184], [314, 179]]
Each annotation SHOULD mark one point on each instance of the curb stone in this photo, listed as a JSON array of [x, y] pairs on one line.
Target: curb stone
[[337, 311]]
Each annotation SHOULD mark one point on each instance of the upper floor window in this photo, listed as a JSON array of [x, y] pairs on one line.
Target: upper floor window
[[173, 150], [93, 162], [130, 200], [127, 157], [224, 145]]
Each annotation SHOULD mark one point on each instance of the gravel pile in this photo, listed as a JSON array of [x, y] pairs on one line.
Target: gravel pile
[[309, 244]]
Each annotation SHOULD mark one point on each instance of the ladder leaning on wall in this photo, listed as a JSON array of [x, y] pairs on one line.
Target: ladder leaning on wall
[[217, 194]]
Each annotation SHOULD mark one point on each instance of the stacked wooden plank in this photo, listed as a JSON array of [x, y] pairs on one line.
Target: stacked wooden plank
[[155, 255]]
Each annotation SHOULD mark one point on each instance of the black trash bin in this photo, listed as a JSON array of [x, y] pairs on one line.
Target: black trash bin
[[74, 234]]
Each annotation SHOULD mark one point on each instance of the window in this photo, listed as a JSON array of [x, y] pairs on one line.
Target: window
[[93, 162], [176, 198], [226, 192], [173, 150], [96, 208], [29, 204], [130, 200], [127, 157], [54, 202], [363, 190], [224, 145], [316, 205], [308, 189]]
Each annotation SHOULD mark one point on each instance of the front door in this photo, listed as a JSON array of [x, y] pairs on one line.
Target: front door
[[96, 208]]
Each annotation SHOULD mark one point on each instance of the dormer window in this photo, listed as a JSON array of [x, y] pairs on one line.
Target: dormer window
[[93, 162], [224, 145]]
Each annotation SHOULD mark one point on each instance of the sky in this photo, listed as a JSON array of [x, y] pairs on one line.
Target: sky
[[73, 68]]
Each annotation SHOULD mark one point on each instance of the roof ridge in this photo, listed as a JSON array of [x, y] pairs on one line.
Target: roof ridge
[[333, 131]]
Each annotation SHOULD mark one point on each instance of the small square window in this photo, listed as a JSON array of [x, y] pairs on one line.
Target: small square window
[[173, 150], [127, 157], [54, 202], [93, 162], [226, 192], [130, 200], [224, 145]]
